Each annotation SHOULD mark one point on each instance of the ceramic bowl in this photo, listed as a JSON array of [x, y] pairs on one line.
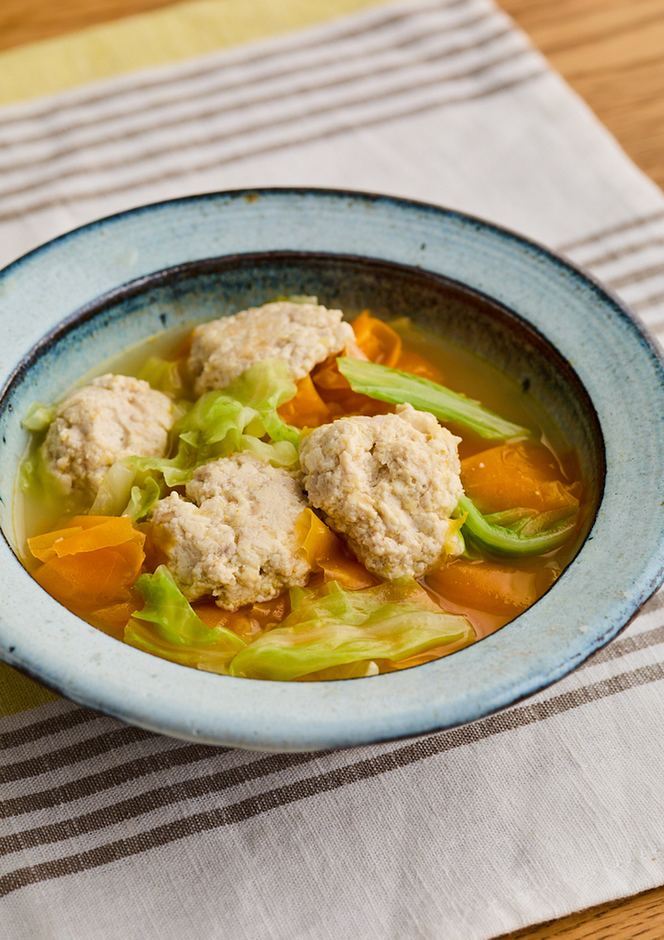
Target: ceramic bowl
[[83, 297]]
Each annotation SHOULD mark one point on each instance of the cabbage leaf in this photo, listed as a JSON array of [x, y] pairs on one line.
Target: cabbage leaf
[[169, 627], [329, 626], [233, 419], [218, 424], [397, 388], [517, 531]]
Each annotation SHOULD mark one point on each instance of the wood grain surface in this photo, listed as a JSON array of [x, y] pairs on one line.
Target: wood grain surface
[[24, 21], [612, 53]]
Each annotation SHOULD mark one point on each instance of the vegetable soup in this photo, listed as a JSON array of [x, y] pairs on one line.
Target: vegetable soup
[[281, 495]]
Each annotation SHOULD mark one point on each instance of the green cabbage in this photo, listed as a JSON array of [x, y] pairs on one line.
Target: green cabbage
[[237, 418], [163, 375], [142, 499], [397, 388], [38, 417], [517, 531], [218, 424], [170, 627], [330, 626]]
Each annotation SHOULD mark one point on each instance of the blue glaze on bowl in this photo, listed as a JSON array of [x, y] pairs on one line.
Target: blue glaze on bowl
[[82, 297]]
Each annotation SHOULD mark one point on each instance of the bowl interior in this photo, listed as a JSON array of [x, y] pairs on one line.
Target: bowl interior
[[544, 381], [569, 349]]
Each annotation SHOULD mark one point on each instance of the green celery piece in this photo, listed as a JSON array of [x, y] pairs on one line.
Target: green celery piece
[[505, 541], [330, 627], [395, 387]]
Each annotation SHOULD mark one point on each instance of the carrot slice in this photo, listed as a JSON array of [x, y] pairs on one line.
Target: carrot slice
[[326, 552], [43, 546], [85, 534], [417, 364], [306, 409], [334, 389], [92, 579], [516, 475], [247, 622], [90, 566], [378, 341], [114, 618], [488, 586]]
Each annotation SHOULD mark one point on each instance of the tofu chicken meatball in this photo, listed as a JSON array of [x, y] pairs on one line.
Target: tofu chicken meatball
[[301, 334], [115, 416], [388, 483], [234, 535]]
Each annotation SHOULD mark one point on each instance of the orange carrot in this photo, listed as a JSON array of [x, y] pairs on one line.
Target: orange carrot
[[325, 551], [114, 619], [488, 586], [84, 534], [92, 579], [248, 622], [307, 409], [90, 566], [330, 389], [378, 341], [411, 361], [334, 389], [516, 475], [42, 546]]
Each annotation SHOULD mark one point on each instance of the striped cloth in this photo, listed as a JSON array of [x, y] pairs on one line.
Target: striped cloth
[[556, 804]]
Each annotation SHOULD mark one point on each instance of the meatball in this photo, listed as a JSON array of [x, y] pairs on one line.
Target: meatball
[[389, 484], [234, 535], [115, 416], [301, 334]]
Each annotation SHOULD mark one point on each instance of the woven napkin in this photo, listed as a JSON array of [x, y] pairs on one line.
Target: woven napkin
[[553, 805]]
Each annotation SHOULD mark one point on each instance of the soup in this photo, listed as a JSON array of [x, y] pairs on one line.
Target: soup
[[508, 520]]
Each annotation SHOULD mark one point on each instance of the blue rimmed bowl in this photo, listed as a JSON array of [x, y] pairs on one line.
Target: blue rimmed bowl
[[85, 296]]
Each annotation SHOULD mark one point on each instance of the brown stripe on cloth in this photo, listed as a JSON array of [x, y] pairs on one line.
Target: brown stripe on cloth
[[613, 230], [617, 254], [46, 727], [625, 646], [74, 753], [326, 782], [96, 783], [261, 125], [635, 277], [215, 783], [225, 84], [333, 34], [409, 109], [652, 300], [154, 799]]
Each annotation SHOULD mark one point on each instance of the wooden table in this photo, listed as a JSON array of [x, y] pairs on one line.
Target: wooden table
[[612, 53]]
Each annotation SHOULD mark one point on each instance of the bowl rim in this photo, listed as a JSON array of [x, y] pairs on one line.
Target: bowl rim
[[165, 697]]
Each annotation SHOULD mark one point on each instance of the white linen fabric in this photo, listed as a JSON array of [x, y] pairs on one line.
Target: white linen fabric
[[554, 805]]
